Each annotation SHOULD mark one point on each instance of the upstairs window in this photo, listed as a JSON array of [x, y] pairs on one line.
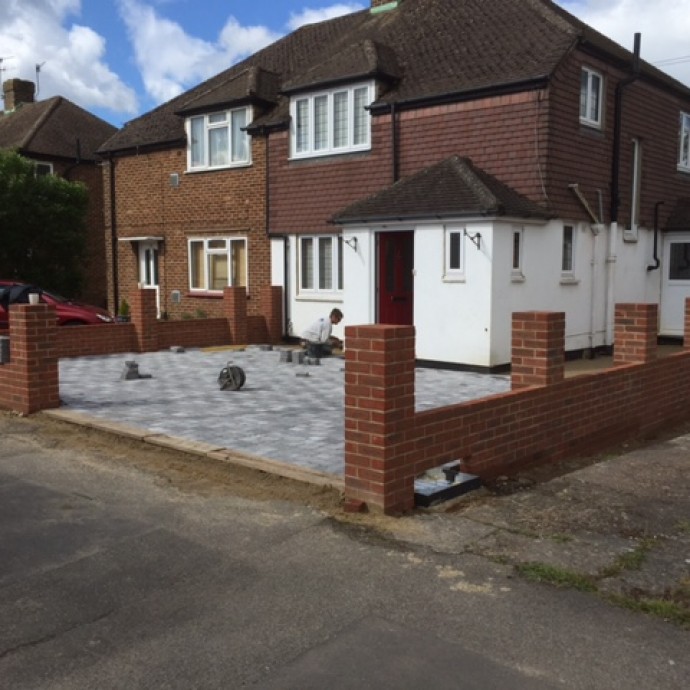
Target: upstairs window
[[218, 140], [591, 87], [42, 169], [684, 142], [328, 122]]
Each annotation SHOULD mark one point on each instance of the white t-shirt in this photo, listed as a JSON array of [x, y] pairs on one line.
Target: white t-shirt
[[319, 331]]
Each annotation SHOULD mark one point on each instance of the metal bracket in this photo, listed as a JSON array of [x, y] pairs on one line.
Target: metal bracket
[[476, 239]]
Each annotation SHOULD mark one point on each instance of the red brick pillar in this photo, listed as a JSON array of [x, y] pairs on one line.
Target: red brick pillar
[[33, 369], [272, 309], [635, 333], [379, 409], [538, 349], [235, 305], [144, 315], [686, 329]]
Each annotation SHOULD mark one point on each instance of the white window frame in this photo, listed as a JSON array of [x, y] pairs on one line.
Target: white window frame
[[208, 251], [198, 159], [305, 109], [314, 284], [588, 93], [568, 253], [684, 142], [517, 250], [454, 253], [43, 164]]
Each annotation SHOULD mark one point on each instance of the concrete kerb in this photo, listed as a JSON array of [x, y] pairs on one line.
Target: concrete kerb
[[199, 448]]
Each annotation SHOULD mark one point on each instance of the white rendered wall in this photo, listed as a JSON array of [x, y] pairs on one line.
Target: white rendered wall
[[452, 315], [467, 319], [304, 309]]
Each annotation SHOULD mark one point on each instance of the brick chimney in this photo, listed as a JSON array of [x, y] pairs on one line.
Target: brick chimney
[[17, 92]]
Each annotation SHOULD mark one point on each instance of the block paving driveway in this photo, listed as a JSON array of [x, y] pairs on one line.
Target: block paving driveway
[[291, 413]]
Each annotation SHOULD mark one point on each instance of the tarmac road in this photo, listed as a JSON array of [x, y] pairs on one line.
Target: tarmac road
[[115, 577]]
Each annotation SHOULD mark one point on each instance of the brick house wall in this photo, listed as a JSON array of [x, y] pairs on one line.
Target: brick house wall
[[482, 130], [95, 290], [532, 141], [223, 203], [583, 155]]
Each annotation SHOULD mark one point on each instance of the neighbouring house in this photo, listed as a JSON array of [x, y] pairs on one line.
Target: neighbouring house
[[62, 138], [441, 163]]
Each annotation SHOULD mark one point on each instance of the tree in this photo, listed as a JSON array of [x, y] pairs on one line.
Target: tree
[[42, 226]]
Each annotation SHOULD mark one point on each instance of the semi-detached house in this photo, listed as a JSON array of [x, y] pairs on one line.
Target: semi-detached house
[[441, 163]]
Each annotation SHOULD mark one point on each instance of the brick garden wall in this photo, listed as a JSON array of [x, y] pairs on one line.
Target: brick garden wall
[[544, 418], [29, 383]]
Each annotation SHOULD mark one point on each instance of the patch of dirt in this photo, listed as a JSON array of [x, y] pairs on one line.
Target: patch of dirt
[[185, 472]]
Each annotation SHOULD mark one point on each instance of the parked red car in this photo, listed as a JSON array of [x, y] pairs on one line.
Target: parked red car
[[69, 312]]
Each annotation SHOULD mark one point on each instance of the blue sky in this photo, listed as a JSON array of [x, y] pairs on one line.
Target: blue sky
[[121, 58]]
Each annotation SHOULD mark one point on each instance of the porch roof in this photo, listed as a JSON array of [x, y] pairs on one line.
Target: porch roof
[[455, 187]]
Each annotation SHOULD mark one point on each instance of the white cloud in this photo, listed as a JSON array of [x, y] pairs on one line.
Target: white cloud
[[72, 57], [664, 25], [310, 16], [171, 61]]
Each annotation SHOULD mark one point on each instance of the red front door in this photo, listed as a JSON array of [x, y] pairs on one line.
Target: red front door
[[395, 277]]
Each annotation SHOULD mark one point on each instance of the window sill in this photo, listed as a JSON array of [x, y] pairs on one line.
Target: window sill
[[683, 169], [454, 278], [218, 168], [319, 297], [295, 158], [517, 278], [569, 280], [591, 125], [206, 294]]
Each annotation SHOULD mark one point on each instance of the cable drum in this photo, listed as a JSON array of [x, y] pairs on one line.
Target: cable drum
[[231, 378]]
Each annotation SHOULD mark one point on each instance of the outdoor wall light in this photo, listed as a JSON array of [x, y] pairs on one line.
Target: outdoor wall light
[[351, 242], [476, 239]]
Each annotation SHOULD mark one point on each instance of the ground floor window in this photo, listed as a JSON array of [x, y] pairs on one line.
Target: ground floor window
[[568, 250], [454, 253], [217, 262], [320, 263]]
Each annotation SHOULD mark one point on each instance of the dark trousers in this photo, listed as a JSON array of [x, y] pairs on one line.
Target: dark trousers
[[318, 350]]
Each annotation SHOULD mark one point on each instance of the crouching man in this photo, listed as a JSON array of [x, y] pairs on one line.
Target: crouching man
[[318, 339]]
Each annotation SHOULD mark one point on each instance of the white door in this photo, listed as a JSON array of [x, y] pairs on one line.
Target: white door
[[148, 269], [675, 286]]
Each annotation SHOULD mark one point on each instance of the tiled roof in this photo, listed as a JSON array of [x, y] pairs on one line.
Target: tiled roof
[[453, 188], [253, 84], [435, 47], [52, 128], [366, 59]]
